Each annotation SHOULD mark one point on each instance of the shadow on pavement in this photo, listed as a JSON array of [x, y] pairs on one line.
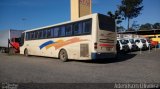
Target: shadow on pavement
[[120, 58]]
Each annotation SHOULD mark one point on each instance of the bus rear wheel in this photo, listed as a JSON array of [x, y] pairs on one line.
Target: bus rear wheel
[[63, 55], [26, 53]]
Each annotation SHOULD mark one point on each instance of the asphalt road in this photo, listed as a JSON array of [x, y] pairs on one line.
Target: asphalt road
[[133, 67]]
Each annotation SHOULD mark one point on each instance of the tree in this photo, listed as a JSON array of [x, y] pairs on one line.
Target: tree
[[116, 16], [120, 29], [146, 26], [130, 9], [156, 26], [135, 26]]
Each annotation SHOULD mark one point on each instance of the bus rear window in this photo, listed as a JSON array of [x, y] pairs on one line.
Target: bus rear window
[[106, 23]]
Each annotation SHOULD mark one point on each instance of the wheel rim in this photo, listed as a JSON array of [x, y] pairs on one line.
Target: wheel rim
[[63, 55]]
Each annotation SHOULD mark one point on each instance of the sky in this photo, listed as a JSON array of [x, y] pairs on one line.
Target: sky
[[29, 14]]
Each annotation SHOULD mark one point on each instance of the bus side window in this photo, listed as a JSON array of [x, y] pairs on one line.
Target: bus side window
[[56, 32], [87, 26], [77, 27], [62, 31], [52, 32], [48, 33], [28, 36], [36, 35], [68, 30], [32, 35], [44, 33], [40, 34]]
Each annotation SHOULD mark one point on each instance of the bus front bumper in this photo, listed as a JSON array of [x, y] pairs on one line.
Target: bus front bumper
[[102, 55]]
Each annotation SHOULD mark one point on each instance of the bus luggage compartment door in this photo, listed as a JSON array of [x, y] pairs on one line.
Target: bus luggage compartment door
[[84, 50]]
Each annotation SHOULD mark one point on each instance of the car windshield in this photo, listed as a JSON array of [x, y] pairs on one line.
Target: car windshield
[[123, 41], [132, 41], [143, 40]]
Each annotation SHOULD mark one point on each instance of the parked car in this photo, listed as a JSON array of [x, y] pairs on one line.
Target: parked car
[[132, 45], [148, 44], [122, 45], [141, 43]]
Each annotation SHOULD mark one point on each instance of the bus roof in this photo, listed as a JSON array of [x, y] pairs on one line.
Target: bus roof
[[81, 18]]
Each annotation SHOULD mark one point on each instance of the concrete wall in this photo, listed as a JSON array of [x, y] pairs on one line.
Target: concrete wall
[[80, 8]]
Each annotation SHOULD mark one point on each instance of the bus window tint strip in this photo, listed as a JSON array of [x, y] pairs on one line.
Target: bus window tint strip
[[48, 33], [68, 30], [72, 29], [56, 32], [78, 28], [62, 31], [87, 27]]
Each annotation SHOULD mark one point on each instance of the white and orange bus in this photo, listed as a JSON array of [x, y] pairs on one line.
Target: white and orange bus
[[87, 38]]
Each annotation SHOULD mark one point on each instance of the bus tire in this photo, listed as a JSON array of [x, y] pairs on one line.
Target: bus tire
[[63, 56], [26, 52]]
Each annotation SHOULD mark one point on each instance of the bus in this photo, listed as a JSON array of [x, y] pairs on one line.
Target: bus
[[88, 38]]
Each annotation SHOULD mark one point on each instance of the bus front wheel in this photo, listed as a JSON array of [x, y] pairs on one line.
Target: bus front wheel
[[63, 55]]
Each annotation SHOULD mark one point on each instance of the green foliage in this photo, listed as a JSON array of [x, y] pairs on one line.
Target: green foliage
[[120, 29], [135, 26], [149, 26], [156, 26], [130, 29], [146, 26], [116, 16], [130, 9]]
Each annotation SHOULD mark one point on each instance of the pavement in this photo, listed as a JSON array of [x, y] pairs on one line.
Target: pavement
[[133, 67]]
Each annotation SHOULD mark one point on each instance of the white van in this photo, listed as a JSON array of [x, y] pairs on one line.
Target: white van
[[148, 44], [122, 45], [141, 43], [132, 45]]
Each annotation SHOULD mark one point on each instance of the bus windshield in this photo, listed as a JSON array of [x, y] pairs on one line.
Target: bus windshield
[[106, 23]]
